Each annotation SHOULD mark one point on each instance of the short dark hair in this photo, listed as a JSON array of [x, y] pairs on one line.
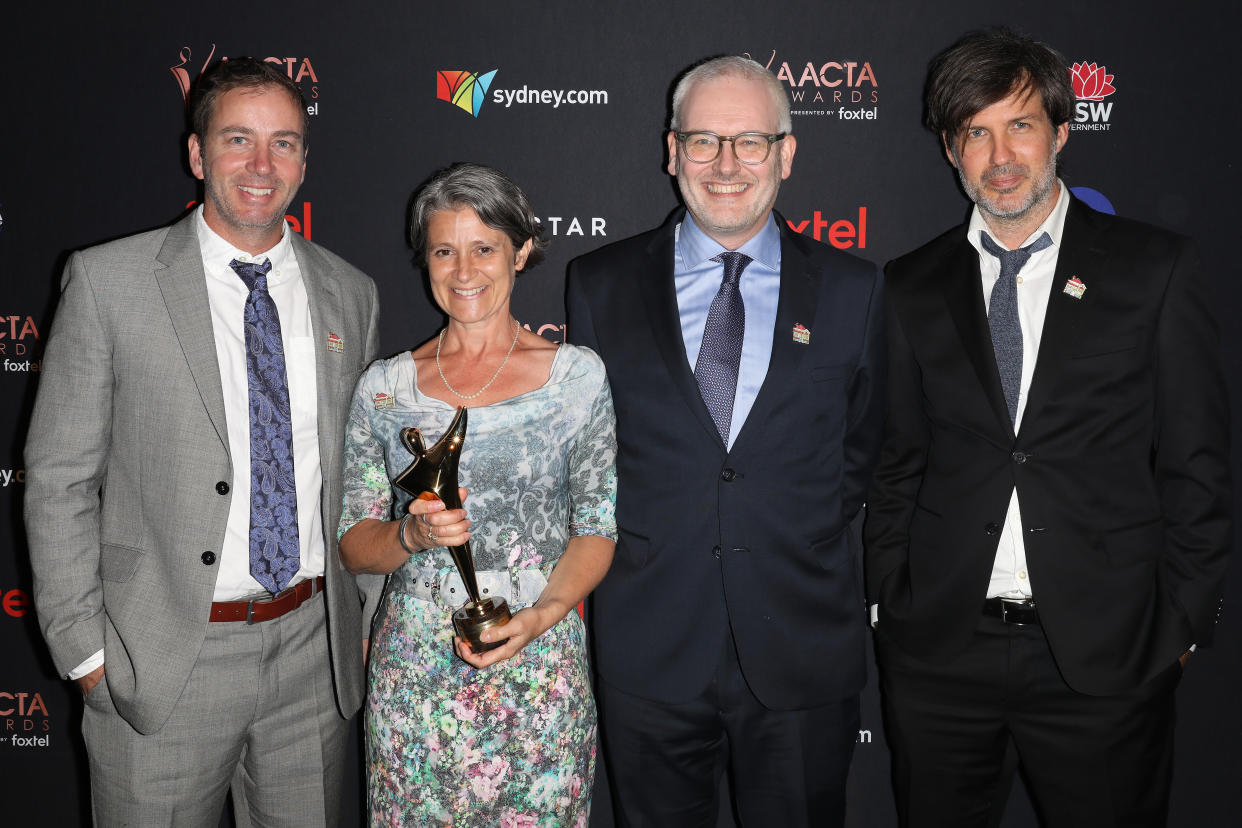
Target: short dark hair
[[240, 73], [987, 66], [495, 199]]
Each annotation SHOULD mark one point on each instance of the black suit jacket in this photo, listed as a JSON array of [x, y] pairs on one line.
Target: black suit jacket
[[1121, 463], [755, 540]]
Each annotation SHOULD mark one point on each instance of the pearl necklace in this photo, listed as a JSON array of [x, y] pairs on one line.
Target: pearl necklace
[[440, 341]]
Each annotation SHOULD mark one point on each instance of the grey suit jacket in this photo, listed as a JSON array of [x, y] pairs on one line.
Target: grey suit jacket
[[127, 446]]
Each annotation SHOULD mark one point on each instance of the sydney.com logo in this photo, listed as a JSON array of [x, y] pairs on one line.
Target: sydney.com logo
[[469, 90]]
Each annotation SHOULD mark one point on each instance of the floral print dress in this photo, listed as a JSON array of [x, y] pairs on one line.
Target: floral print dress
[[512, 745]]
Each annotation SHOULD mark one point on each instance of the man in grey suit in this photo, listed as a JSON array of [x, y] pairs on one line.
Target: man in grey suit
[[183, 487]]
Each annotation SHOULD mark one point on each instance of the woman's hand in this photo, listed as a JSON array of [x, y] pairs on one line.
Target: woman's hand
[[524, 627], [433, 525], [373, 546]]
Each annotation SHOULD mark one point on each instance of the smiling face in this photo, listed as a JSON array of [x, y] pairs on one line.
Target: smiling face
[[730, 201], [1006, 157], [252, 162], [472, 266]]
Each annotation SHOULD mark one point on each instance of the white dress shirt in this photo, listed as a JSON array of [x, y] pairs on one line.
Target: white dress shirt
[[1011, 577]]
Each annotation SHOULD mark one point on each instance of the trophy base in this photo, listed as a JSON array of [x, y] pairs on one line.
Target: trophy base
[[475, 617]]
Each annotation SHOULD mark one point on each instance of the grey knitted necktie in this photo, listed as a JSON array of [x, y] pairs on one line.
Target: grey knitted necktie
[[1003, 315], [720, 354]]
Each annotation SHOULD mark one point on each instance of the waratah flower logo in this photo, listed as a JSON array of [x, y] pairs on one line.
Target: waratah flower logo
[[1091, 82]]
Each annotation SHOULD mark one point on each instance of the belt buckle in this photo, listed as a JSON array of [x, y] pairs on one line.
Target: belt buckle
[[250, 610], [1004, 603], [267, 599]]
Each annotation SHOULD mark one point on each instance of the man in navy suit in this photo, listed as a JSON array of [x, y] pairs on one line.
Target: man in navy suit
[[1049, 528], [746, 368]]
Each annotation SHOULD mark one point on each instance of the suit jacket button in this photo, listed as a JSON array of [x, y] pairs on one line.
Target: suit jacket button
[[727, 475], [716, 552], [209, 557], [992, 528], [222, 488], [1019, 457]]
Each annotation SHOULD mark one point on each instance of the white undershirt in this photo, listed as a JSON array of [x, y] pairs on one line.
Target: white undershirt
[[227, 294], [1010, 576]]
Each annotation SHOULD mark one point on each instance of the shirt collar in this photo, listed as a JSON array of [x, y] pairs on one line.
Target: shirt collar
[[1053, 225], [695, 247], [218, 253]]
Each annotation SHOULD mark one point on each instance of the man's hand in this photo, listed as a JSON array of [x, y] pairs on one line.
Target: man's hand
[[87, 683], [1183, 658]]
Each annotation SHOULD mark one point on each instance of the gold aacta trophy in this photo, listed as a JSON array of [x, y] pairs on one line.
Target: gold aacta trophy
[[433, 476]]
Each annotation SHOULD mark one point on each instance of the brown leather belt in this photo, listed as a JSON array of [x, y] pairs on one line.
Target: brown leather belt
[[1012, 612], [266, 609]]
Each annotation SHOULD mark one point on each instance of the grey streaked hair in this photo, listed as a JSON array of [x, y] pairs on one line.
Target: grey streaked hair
[[498, 202]]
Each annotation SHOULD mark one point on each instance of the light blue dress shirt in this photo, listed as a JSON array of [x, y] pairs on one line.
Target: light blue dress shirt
[[697, 281]]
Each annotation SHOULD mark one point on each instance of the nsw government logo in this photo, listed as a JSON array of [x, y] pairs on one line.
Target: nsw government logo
[[842, 89], [1092, 84], [469, 91]]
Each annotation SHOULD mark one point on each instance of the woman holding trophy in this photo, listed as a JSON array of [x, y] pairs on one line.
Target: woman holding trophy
[[502, 732]]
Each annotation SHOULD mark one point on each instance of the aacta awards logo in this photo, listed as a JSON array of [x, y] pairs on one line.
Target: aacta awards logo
[[463, 89], [1092, 84], [842, 89], [469, 90], [19, 345], [299, 69], [24, 720]]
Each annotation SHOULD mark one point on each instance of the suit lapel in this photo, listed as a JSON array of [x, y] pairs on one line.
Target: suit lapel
[[963, 293], [179, 274], [327, 321], [797, 303], [660, 300], [1064, 320]]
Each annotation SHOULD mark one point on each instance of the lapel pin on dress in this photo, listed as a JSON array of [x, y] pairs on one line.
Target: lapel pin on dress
[[801, 334], [1075, 287], [335, 343], [383, 401]]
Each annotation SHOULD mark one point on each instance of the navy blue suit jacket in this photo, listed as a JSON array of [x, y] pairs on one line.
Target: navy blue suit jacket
[[755, 540]]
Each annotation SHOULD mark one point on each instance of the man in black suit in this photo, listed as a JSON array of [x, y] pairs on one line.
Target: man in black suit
[[1049, 526], [746, 368]]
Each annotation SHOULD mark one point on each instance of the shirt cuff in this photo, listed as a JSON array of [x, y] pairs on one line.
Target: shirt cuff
[[93, 662], [875, 614]]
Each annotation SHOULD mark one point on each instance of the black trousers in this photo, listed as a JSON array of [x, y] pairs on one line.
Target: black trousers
[[666, 761], [1088, 760]]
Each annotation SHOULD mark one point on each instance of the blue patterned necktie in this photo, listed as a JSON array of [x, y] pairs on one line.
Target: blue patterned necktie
[[1003, 315], [720, 354], [274, 550]]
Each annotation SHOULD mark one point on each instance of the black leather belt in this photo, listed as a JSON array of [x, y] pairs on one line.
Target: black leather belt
[[1011, 611], [267, 609]]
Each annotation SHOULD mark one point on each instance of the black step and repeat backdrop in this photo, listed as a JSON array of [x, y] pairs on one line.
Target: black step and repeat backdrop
[[570, 99]]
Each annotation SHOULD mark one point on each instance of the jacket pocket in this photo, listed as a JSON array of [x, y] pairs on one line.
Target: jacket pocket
[[118, 563], [825, 373], [633, 549]]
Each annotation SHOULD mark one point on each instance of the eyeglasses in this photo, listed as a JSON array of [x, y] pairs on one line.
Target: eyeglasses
[[748, 147]]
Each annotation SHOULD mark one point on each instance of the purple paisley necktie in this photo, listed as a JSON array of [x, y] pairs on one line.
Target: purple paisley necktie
[[274, 550]]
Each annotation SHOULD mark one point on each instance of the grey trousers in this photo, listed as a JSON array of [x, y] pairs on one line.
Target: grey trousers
[[258, 715]]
